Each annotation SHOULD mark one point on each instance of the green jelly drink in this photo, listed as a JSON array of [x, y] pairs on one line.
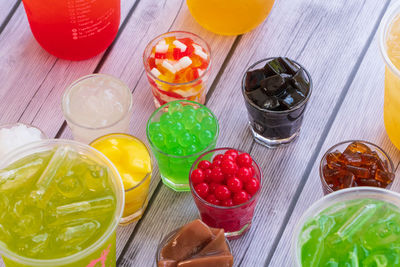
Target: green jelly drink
[[61, 202], [178, 133], [359, 228]]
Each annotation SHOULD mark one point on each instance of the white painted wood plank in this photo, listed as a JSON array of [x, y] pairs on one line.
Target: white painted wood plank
[[5, 9], [125, 62], [312, 34], [360, 117]]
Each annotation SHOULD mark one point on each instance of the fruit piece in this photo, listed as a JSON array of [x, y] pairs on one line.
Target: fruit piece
[[240, 197], [218, 157], [222, 192], [212, 186], [244, 174], [197, 176], [244, 160], [233, 153], [217, 175], [252, 186], [207, 175], [213, 200], [204, 164], [234, 184], [227, 202], [228, 167], [216, 163], [227, 157], [202, 190]]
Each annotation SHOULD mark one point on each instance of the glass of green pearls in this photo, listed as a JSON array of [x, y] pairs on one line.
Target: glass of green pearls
[[178, 133]]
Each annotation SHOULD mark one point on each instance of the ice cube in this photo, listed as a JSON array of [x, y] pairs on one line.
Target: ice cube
[[300, 82], [74, 236], [94, 207], [292, 98], [29, 222], [70, 186], [253, 79], [38, 244]]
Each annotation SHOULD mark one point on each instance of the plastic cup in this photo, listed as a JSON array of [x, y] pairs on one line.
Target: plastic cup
[[136, 197], [164, 91], [391, 107], [96, 105], [103, 250], [275, 128], [332, 199], [235, 220], [174, 169], [341, 147], [169, 236]]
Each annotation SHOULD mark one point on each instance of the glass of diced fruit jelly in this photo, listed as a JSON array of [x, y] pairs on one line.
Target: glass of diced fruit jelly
[[352, 227], [225, 185], [178, 133], [177, 65], [61, 202], [276, 92], [355, 163]]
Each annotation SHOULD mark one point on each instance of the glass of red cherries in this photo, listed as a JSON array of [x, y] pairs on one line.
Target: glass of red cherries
[[225, 185]]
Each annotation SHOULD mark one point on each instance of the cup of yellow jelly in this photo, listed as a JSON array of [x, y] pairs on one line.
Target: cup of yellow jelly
[[133, 161]]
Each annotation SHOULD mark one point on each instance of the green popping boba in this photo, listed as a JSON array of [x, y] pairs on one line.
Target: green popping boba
[[178, 133], [351, 227]]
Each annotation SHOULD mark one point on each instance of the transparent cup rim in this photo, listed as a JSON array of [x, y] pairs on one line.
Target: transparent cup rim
[[296, 107], [186, 156], [332, 148], [148, 175], [10, 125], [168, 237], [315, 209], [384, 28], [150, 45], [254, 197], [118, 187], [74, 83]]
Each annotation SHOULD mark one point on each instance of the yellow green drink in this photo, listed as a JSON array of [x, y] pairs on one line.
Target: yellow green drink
[[61, 202], [355, 227]]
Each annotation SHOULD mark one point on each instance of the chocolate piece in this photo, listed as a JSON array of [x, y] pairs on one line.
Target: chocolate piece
[[167, 263], [222, 260], [187, 242]]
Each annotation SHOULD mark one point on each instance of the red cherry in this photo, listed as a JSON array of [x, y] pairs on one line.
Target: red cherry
[[212, 187], [204, 164], [233, 153], [202, 190], [227, 157], [207, 175], [253, 171], [244, 160], [252, 186], [216, 163], [213, 200], [217, 175], [218, 157], [240, 197], [234, 184], [197, 176], [228, 167], [244, 174], [227, 202], [222, 192]]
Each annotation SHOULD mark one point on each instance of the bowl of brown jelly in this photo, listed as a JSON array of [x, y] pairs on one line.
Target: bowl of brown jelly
[[355, 163]]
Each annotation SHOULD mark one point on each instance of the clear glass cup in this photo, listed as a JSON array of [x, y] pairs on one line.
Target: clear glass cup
[[103, 250], [274, 128], [230, 17], [175, 169], [164, 91], [235, 220], [129, 155], [96, 105], [337, 197], [341, 147], [169, 236], [389, 46]]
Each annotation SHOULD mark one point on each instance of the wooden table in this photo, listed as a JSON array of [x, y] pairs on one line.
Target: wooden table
[[335, 40]]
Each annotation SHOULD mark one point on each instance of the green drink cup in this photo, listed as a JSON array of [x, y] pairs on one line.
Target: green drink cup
[[61, 202], [178, 133], [359, 226]]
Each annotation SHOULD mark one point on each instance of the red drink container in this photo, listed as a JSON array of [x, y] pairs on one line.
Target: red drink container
[[235, 220], [73, 29]]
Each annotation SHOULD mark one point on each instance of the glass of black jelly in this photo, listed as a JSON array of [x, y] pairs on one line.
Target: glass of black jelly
[[276, 92]]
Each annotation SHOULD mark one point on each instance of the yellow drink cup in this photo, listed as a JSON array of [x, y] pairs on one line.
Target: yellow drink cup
[[230, 17], [389, 41], [133, 161]]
